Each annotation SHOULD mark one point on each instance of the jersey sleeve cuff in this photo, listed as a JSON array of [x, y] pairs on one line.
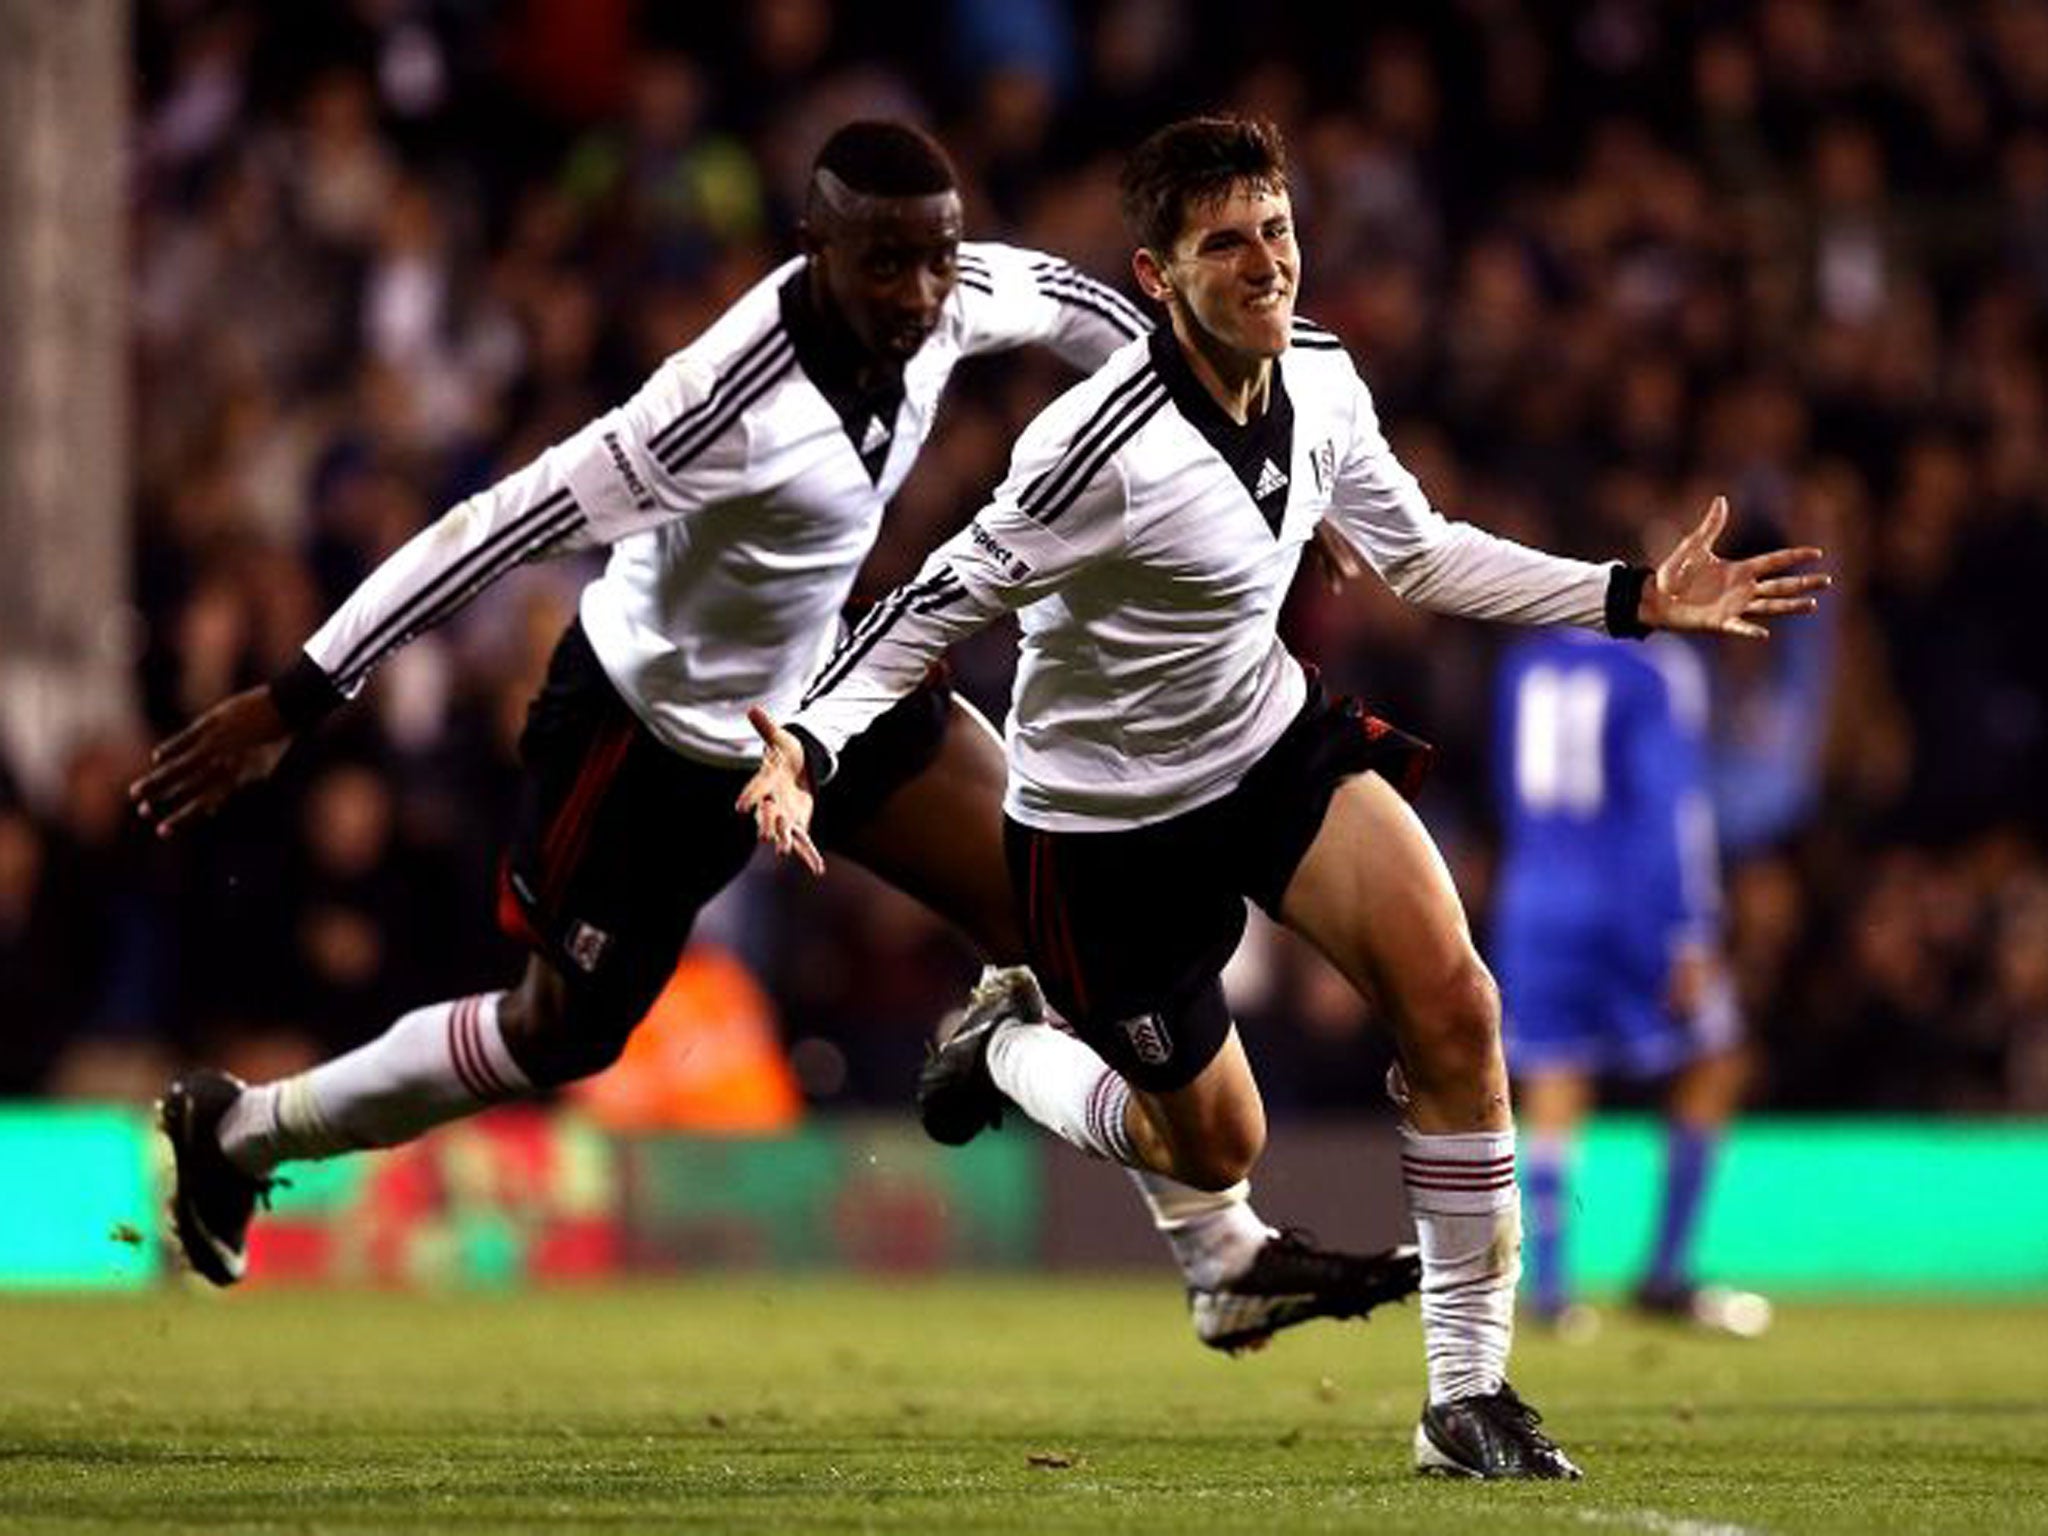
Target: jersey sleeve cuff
[[1625, 585], [304, 694], [819, 762]]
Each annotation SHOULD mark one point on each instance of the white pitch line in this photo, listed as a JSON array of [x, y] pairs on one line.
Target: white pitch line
[[1664, 1525]]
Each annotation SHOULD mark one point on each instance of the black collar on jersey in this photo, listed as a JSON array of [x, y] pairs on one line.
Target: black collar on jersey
[[1258, 452], [863, 391]]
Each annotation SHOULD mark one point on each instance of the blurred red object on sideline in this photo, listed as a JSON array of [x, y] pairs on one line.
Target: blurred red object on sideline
[[708, 1058]]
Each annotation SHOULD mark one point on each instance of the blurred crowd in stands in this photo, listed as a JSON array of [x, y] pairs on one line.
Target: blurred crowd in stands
[[1597, 261]]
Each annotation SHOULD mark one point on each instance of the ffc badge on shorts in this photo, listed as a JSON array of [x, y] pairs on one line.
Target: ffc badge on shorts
[[1149, 1039], [587, 945]]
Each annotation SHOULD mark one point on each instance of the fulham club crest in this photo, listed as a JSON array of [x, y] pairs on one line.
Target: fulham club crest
[[1149, 1039]]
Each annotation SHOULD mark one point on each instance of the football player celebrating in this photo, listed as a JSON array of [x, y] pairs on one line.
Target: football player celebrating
[[1169, 758]]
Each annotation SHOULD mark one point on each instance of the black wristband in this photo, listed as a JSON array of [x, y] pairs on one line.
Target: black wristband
[[1625, 601], [304, 694], [819, 764]]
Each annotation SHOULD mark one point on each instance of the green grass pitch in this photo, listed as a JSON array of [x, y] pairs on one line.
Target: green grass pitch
[[750, 1404]]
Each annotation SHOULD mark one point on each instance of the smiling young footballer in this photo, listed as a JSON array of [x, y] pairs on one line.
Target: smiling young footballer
[[1169, 758], [739, 491]]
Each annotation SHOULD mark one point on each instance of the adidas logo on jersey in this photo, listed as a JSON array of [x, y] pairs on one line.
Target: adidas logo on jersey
[[877, 436], [1271, 479]]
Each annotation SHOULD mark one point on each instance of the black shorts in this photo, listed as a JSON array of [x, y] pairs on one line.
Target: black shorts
[[1129, 931], [619, 841]]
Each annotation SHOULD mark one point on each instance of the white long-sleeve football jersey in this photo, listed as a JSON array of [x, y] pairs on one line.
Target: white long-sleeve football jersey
[[740, 489], [1149, 542]]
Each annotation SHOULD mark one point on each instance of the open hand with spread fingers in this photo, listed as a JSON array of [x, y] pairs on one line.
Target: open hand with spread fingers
[[779, 796], [1693, 588], [232, 745]]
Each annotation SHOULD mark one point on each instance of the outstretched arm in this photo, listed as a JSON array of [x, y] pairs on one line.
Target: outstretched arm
[[877, 663], [601, 483], [1695, 589], [1454, 567], [963, 585], [425, 581]]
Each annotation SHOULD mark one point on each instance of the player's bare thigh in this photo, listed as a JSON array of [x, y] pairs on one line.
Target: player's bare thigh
[[939, 837], [1374, 895]]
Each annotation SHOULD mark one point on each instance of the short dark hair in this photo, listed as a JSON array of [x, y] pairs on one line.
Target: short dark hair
[[1196, 160], [884, 158]]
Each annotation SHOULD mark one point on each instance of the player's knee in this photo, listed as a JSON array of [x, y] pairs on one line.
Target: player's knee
[[1454, 1025], [562, 1058], [557, 1036]]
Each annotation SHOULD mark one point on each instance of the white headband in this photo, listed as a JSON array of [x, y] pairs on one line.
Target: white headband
[[846, 203]]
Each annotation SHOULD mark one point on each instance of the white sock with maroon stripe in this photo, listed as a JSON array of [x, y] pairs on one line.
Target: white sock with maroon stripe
[[1214, 1235], [436, 1064], [1064, 1086], [1468, 1222]]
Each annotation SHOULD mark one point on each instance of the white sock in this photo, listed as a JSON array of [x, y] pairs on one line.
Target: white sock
[[1064, 1086], [1468, 1222], [1214, 1236], [436, 1064]]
